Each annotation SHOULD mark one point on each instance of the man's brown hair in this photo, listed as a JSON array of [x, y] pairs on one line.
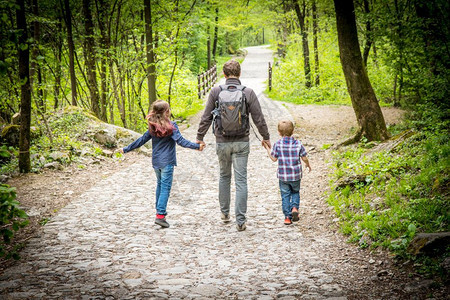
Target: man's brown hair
[[285, 128], [232, 68]]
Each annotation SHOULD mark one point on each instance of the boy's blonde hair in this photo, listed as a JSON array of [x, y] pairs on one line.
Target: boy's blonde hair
[[285, 128]]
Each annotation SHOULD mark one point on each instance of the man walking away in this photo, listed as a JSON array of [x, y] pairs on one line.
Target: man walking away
[[228, 108]]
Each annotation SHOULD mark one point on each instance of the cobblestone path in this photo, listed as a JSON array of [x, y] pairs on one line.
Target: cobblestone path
[[105, 245]]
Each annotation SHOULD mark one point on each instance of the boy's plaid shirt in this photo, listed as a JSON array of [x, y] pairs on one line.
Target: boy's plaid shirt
[[288, 151]]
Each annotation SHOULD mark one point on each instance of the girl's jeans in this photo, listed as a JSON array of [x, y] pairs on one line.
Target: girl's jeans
[[164, 178], [233, 154], [290, 196]]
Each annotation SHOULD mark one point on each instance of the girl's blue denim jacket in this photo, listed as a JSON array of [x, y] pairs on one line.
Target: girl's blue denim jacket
[[163, 149]]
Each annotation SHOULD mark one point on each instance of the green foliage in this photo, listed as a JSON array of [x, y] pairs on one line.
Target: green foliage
[[4, 152], [63, 139], [288, 83], [12, 218], [405, 191]]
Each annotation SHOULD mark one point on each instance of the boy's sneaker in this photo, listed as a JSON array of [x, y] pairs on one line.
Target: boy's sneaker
[[287, 221], [161, 221], [295, 214], [225, 218], [241, 227]]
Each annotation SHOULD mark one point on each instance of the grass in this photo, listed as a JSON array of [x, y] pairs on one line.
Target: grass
[[65, 139], [404, 192]]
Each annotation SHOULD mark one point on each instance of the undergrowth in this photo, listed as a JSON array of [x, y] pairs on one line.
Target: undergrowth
[[12, 218], [59, 141], [398, 192]]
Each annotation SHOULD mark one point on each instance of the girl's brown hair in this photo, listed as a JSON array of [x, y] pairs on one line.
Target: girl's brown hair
[[158, 119]]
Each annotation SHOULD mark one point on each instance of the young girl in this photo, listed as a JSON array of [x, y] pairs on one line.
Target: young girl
[[164, 134]]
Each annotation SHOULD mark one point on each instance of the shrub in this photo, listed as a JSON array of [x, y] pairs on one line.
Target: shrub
[[404, 191], [12, 218]]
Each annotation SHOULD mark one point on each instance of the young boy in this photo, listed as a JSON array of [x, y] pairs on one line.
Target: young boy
[[288, 152]]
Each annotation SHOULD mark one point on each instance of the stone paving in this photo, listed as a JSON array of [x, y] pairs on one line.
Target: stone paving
[[105, 245]]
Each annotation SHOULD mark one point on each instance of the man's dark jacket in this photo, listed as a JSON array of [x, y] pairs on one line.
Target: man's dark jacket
[[254, 109]]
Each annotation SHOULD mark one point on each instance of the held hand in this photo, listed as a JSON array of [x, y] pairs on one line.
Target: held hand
[[308, 168], [202, 145], [266, 144], [120, 150]]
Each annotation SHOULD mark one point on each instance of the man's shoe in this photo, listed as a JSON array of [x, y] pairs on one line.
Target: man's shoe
[[162, 222], [287, 221], [241, 227], [225, 218], [295, 214]]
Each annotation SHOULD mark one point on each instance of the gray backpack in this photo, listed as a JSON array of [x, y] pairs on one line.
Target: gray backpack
[[230, 117]]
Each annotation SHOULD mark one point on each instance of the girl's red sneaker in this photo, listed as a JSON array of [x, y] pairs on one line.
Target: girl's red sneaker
[[287, 221]]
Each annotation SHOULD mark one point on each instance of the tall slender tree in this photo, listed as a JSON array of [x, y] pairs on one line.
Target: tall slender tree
[[102, 11], [316, 48], [368, 33], [35, 67], [151, 68], [89, 53], [208, 38], [364, 101], [216, 31], [25, 89], [301, 15], [71, 46], [58, 58]]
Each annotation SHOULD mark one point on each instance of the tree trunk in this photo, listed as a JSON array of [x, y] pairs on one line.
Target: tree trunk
[[121, 103], [116, 95], [151, 68], [208, 41], [89, 53], [172, 74], [35, 67], [400, 44], [301, 19], [40, 91], [208, 48], [364, 101], [104, 44], [71, 46], [34, 47], [216, 30], [369, 34], [58, 56], [25, 89], [316, 48]]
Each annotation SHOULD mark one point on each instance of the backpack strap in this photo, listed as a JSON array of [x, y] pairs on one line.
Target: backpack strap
[[227, 86]]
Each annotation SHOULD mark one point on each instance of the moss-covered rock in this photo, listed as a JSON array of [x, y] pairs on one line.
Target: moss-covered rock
[[105, 139], [120, 133], [10, 135]]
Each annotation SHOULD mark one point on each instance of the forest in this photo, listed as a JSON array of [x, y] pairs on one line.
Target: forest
[[113, 58]]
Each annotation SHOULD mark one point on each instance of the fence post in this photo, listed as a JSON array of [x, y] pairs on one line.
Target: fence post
[[206, 80], [270, 77], [198, 86]]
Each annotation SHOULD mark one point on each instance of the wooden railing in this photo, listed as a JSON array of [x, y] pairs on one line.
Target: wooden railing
[[206, 80]]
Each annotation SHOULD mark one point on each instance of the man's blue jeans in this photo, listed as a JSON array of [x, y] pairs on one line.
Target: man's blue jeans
[[233, 154], [164, 178], [290, 196]]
